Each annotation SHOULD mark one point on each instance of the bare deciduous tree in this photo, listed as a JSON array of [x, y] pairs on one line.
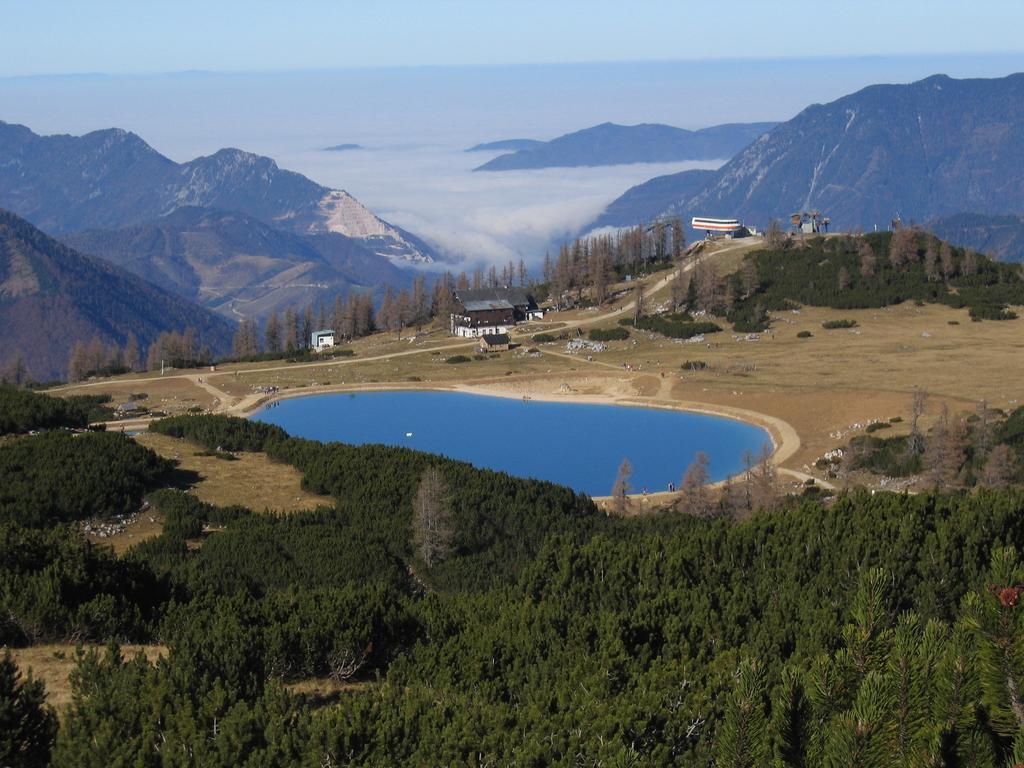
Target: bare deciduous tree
[[1001, 467], [931, 260], [903, 247], [915, 443], [693, 490], [621, 487], [944, 452], [984, 430], [867, 259], [773, 236], [947, 261], [432, 531], [764, 487]]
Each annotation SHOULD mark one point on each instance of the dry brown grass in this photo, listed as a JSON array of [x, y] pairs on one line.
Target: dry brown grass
[[253, 480], [147, 525], [325, 690], [52, 663], [821, 385]]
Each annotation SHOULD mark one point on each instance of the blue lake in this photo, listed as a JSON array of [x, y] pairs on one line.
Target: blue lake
[[573, 444]]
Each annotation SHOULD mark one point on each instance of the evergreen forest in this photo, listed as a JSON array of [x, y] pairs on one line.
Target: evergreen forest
[[466, 617]]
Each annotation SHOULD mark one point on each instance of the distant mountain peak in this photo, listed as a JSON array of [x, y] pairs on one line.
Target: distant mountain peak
[[921, 150], [112, 178], [609, 143]]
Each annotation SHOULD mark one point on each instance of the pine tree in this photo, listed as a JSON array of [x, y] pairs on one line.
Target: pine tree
[[27, 725], [997, 620], [741, 741]]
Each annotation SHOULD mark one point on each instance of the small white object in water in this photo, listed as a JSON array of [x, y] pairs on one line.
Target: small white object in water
[[408, 434]]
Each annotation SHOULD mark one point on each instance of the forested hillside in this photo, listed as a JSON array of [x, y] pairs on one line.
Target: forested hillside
[[52, 298], [520, 627], [854, 272], [233, 263]]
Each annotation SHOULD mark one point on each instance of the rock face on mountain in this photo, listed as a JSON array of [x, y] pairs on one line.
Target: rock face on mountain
[[235, 264], [52, 296], [998, 235], [610, 144], [112, 179], [917, 151]]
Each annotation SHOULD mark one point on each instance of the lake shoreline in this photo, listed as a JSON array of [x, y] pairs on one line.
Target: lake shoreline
[[784, 439]]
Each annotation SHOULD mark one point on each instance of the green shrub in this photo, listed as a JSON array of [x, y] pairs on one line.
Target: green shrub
[[831, 325], [58, 477], [544, 338], [22, 411], [694, 365], [804, 335], [456, 359], [990, 312], [609, 334], [680, 326], [876, 426], [220, 432]]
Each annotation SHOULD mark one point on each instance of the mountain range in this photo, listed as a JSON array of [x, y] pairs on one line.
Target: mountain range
[[112, 178], [611, 144], [919, 151], [51, 296], [235, 264]]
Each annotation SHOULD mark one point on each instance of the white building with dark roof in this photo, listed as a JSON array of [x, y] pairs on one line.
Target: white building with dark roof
[[491, 311]]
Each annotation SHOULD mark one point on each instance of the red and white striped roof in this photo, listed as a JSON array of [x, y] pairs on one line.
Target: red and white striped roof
[[715, 225]]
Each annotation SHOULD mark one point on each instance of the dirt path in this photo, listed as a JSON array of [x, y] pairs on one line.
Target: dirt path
[[202, 382]]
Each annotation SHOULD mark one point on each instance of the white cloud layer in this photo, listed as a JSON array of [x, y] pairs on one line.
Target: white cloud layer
[[476, 217]]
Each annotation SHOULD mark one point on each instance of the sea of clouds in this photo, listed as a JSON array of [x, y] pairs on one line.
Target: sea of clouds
[[476, 217]]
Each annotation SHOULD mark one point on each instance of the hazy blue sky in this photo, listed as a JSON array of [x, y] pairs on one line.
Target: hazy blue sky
[[416, 81], [121, 36]]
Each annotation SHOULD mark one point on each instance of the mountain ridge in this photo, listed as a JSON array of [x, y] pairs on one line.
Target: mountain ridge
[[226, 259], [917, 151], [612, 144], [112, 178]]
